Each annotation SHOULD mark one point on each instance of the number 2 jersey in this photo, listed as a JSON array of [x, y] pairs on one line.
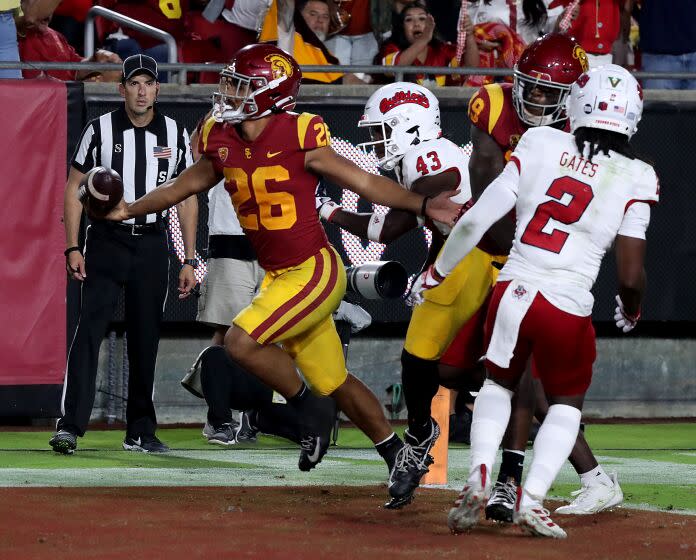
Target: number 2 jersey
[[272, 192], [569, 211]]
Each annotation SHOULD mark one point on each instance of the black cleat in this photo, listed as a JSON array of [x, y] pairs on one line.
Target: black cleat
[[412, 462], [145, 444], [312, 451], [502, 502], [246, 432], [63, 441]]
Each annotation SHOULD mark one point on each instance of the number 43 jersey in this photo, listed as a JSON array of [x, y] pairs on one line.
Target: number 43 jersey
[[272, 192], [432, 158], [569, 211]]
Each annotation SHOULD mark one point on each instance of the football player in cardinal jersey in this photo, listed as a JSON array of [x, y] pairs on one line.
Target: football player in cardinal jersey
[[403, 120], [271, 160], [500, 114], [541, 306]]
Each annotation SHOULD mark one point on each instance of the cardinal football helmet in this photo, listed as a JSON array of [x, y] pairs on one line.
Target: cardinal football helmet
[[261, 79], [399, 116], [608, 97], [552, 62]]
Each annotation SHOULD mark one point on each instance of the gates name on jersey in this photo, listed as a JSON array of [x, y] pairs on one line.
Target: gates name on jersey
[[568, 215], [272, 192]]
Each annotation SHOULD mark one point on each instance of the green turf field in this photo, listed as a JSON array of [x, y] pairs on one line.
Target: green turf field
[[656, 463]]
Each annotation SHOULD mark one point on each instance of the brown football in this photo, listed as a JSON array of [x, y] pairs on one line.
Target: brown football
[[100, 191]]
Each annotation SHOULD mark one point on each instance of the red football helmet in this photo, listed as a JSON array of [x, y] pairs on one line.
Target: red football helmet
[[548, 66], [261, 79]]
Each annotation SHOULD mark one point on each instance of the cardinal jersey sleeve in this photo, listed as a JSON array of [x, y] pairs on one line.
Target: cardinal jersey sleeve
[[312, 132]]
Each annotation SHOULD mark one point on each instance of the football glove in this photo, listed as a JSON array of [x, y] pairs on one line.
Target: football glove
[[325, 206], [428, 279], [624, 321]]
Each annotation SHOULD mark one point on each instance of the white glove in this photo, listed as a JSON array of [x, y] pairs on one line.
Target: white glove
[[428, 279], [326, 207], [624, 321], [353, 314]]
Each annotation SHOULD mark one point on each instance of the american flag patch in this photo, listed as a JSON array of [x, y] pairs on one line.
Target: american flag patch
[[162, 152]]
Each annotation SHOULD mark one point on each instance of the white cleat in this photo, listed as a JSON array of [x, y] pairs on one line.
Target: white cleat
[[469, 505], [536, 521], [593, 499]]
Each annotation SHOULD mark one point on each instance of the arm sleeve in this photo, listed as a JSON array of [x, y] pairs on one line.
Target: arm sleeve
[[87, 153], [495, 202], [184, 149], [636, 220]]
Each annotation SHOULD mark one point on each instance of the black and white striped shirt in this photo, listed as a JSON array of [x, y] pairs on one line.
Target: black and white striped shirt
[[145, 157]]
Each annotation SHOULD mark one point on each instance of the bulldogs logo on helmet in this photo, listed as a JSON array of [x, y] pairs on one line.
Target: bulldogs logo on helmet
[[552, 62], [262, 79], [399, 116]]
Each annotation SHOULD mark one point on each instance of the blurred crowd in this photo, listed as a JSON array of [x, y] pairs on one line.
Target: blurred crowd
[[650, 35]]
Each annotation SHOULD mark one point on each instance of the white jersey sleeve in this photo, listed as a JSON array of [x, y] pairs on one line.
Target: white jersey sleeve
[[433, 158]]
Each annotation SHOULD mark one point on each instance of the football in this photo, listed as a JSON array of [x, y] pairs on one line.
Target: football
[[100, 191]]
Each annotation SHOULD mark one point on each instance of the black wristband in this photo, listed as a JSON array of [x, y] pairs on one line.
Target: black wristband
[[71, 249], [425, 202]]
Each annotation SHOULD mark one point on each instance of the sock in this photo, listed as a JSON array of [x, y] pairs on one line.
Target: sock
[[596, 476], [491, 415], [298, 399], [388, 448], [420, 382], [552, 446], [512, 465]]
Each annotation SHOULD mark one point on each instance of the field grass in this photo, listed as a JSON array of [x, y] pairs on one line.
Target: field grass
[[655, 462]]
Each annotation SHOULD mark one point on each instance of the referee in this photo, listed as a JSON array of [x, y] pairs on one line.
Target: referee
[[147, 149]]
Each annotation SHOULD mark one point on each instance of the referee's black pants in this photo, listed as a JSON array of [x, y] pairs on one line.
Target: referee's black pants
[[114, 258]]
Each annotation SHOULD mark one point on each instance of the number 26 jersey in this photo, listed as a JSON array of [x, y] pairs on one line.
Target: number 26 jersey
[[272, 192]]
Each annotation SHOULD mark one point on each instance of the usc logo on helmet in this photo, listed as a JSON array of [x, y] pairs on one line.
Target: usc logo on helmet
[[580, 54], [280, 66]]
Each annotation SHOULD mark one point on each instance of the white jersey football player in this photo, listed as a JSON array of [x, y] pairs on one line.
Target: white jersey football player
[[575, 194], [403, 120]]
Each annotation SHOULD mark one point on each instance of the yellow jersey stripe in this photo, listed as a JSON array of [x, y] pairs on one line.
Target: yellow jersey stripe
[[206, 131], [302, 305], [495, 95], [302, 124]]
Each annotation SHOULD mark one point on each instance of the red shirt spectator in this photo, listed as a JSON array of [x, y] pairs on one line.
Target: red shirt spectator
[[47, 45], [597, 25], [43, 44], [439, 54]]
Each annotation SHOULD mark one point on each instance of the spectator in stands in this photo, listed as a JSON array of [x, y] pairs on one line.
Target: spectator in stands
[[33, 11], [530, 19], [39, 43], [9, 49], [355, 43], [413, 43], [232, 24], [297, 28], [668, 41], [597, 25], [69, 19], [167, 16]]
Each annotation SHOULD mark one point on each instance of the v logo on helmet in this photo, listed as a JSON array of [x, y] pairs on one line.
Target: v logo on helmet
[[614, 81]]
